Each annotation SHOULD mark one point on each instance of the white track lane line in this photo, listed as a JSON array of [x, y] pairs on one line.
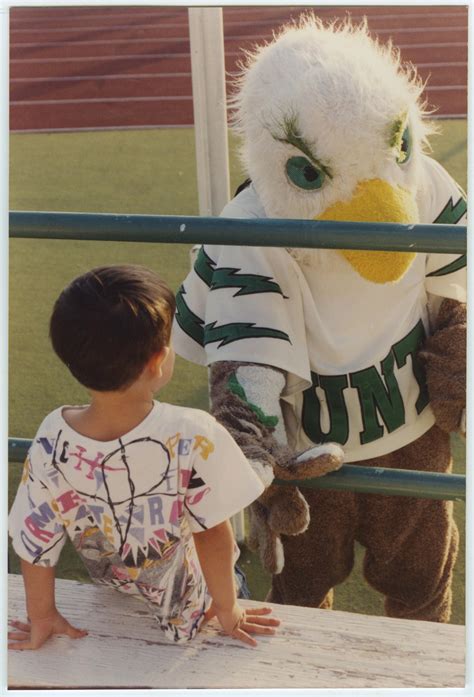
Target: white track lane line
[[168, 98], [433, 117], [283, 19], [168, 39], [113, 76], [227, 12], [137, 56], [102, 100], [98, 59], [146, 76]]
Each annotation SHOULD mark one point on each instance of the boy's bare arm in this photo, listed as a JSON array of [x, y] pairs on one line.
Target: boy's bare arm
[[215, 549], [43, 616]]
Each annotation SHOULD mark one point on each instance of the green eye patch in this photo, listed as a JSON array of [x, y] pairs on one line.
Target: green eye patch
[[304, 174]]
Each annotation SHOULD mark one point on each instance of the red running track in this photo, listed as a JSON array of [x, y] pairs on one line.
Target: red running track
[[75, 68]]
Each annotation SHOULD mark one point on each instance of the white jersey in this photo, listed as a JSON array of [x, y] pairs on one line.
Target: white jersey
[[348, 346], [130, 506]]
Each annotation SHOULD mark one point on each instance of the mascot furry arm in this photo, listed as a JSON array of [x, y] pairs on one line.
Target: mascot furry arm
[[312, 348], [261, 435]]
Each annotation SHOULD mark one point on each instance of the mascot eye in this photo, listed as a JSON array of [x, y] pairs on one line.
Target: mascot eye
[[405, 147], [305, 175]]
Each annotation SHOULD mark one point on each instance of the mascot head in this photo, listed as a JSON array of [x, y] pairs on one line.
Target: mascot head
[[332, 129]]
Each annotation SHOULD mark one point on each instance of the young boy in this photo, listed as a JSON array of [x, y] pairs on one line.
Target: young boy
[[143, 489]]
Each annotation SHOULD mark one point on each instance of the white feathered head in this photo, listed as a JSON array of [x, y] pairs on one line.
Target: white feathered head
[[332, 127]]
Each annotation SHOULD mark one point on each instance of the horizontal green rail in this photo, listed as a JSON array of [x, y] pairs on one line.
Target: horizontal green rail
[[258, 232], [369, 480], [390, 482], [18, 449]]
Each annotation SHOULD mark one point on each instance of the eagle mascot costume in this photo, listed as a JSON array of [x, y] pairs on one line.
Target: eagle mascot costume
[[319, 357]]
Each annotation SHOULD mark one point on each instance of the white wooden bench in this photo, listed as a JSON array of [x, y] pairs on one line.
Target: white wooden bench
[[313, 649]]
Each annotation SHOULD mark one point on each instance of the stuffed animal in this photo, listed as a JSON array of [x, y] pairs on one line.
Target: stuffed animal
[[322, 356]]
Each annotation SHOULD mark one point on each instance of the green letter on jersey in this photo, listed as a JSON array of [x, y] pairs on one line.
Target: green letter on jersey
[[409, 346], [375, 397], [333, 386]]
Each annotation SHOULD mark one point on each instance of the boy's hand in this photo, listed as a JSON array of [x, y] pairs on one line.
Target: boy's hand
[[239, 623], [34, 634]]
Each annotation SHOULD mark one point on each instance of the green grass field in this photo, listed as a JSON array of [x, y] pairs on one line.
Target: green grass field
[[131, 172]]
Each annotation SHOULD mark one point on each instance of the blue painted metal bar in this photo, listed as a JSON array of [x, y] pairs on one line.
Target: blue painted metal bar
[[371, 480], [259, 232]]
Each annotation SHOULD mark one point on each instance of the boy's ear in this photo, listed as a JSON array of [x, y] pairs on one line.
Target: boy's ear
[[155, 363]]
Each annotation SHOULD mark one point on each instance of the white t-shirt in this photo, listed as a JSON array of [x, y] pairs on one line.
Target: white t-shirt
[[130, 505], [347, 345]]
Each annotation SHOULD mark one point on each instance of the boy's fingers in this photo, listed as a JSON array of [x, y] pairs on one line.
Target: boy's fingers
[[258, 610], [243, 636], [75, 633], [267, 621], [258, 628], [18, 635], [22, 646], [20, 625]]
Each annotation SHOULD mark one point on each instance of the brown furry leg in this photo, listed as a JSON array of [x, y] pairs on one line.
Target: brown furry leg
[[321, 557], [411, 543], [436, 608]]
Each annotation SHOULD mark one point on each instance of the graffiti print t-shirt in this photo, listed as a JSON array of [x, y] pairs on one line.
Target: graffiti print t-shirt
[[347, 346], [130, 505]]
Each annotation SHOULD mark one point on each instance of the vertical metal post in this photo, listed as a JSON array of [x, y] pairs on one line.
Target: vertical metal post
[[210, 114], [206, 35]]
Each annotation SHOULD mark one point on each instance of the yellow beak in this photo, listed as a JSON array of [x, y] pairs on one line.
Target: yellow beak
[[376, 201]]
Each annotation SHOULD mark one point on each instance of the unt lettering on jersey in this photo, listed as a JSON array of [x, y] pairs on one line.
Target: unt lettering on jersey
[[380, 400]]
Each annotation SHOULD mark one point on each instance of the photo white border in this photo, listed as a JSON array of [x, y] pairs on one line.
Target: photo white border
[[4, 174]]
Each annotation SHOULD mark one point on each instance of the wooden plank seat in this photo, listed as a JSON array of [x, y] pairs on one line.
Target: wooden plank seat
[[313, 649]]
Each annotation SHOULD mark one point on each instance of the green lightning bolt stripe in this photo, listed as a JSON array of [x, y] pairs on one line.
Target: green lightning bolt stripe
[[204, 267], [191, 324], [235, 331], [248, 283], [450, 268], [218, 278], [452, 213]]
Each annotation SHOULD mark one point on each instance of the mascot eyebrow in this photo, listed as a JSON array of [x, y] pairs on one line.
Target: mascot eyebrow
[[293, 137]]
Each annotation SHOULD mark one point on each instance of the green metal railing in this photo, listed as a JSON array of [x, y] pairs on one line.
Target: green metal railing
[[261, 232], [448, 239]]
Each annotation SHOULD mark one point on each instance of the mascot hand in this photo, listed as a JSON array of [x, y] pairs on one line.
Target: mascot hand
[[281, 510], [444, 358], [262, 539], [314, 462]]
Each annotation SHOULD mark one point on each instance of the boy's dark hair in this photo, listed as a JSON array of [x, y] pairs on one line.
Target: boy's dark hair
[[109, 322]]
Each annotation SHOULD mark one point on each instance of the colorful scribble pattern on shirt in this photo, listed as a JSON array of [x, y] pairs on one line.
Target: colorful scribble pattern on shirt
[[130, 506]]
